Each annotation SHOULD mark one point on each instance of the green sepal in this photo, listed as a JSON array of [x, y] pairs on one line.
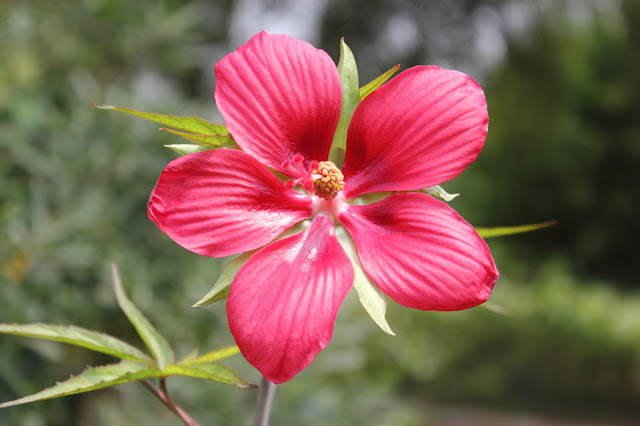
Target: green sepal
[[220, 289], [510, 230], [77, 336], [439, 191], [190, 148], [373, 85], [373, 300], [204, 139], [193, 124], [157, 344], [348, 72], [93, 378]]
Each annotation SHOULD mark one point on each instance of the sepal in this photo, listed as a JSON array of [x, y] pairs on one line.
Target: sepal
[[348, 73], [373, 300]]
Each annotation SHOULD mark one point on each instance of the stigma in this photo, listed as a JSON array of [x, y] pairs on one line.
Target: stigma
[[328, 180]]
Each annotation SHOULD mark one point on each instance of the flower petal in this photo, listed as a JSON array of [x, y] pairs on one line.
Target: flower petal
[[223, 202], [419, 130], [421, 253], [284, 301], [279, 96]]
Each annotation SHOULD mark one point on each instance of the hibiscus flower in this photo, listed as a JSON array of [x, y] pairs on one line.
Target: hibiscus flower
[[311, 227]]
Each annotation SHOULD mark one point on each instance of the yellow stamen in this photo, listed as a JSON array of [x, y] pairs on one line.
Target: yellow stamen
[[328, 180]]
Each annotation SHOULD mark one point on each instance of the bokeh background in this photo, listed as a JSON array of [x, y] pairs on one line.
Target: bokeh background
[[562, 79]]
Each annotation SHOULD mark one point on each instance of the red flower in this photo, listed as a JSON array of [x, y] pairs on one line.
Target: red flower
[[281, 100]]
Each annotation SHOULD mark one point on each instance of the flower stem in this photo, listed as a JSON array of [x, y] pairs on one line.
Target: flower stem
[[163, 395], [265, 399]]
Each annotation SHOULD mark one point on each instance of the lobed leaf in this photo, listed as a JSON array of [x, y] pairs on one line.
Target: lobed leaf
[[373, 85], [193, 124], [209, 371], [93, 378], [212, 356], [77, 336], [510, 230], [155, 342]]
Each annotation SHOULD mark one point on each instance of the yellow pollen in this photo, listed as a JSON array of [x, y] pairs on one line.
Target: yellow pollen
[[328, 180]]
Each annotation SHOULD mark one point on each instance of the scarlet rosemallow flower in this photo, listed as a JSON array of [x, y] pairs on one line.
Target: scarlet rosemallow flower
[[281, 100]]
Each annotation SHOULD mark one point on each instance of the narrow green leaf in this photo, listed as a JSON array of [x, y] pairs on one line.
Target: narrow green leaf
[[348, 72], [93, 378], [373, 300], [191, 124], [220, 289], [190, 148], [209, 371], [212, 356], [204, 139], [155, 342], [510, 230], [373, 85], [77, 336]]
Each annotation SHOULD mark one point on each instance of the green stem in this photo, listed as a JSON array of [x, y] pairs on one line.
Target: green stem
[[265, 400]]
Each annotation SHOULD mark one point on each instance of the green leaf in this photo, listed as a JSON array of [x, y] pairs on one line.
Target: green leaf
[[191, 124], [373, 300], [155, 342], [212, 356], [348, 73], [220, 289], [372, 86], [510, 230], [204, 139], [73, 335], [190, 148], [93, 378], [209, 371]]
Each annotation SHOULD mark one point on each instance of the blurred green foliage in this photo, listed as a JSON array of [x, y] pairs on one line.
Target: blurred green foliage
[[563, 144]]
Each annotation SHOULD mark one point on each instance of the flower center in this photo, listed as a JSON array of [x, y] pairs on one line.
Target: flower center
[[328, 180]]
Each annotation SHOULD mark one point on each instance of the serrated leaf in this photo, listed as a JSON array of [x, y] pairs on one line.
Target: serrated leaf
[[220, 289], [192, 124], [348, 72], [190, 148], [510, 230], [155, 342], [373, 300], [373, 85], [212, 356], [93, 378], [209, 371], [77, 336], [204, 139]]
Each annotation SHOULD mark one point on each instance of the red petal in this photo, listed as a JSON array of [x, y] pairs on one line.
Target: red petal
[[279, 96], [284, 301], [420, 129], [421, 253], [223, 202]]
